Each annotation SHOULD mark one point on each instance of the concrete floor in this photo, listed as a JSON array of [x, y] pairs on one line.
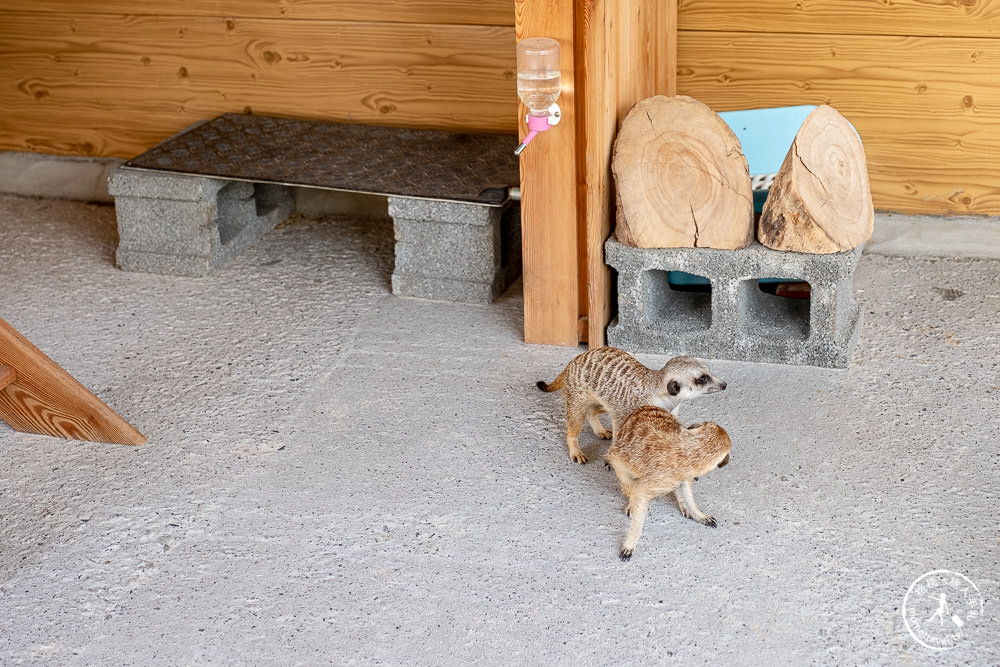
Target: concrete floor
[[338, 476]]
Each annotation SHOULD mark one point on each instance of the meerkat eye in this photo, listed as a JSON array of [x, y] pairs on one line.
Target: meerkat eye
[[704, 379], [673, 387]]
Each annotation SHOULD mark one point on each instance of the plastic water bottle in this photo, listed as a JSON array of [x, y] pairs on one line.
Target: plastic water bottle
[[538, 78]]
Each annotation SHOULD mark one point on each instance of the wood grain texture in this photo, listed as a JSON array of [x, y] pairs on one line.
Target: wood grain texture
[[681, 178], [472, 12], [7, 375], [626, 52], [927, 109], [45, 399], [549, 235], [965, 18], [113, 85], [820, 201], [598, 123]]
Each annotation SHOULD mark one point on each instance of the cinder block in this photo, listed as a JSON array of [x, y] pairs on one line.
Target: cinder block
[[190, 225], [736, 319], [450, 251]]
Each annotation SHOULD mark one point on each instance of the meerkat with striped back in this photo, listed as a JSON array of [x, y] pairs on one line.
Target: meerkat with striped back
[[610, 380], [653, 454]]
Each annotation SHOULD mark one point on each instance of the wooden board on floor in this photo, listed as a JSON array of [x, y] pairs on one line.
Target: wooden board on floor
[[40, 397]]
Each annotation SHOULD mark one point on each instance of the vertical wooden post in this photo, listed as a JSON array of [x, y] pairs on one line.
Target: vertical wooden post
[[627, 51], [614, 53], [548, 192]]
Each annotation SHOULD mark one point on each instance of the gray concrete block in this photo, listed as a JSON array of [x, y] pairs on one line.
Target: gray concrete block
[[451, 251], [190, 225], [56, 176], [736, 319], [458, 213], [444, 289]]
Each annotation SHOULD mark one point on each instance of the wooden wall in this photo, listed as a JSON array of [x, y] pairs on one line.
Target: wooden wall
[[111, 78], [920, 80]]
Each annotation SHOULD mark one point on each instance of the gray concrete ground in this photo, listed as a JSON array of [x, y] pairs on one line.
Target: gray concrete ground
[[338, 476]]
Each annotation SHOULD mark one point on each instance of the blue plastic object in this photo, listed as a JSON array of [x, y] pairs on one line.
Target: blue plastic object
[[765, 135]]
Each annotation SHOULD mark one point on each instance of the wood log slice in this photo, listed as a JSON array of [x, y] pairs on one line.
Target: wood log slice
[[681, 178], [821, 200]]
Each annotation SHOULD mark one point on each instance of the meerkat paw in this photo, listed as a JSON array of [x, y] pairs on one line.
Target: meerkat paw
[[707, 520], [577, 457], [625, 554], [603, 434]]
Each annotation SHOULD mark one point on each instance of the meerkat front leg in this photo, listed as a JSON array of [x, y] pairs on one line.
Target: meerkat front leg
[[637, 511], [625, 480], [685, 500], [679, 497]]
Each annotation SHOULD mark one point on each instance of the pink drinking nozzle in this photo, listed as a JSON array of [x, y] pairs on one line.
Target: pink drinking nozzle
[[538, 84]]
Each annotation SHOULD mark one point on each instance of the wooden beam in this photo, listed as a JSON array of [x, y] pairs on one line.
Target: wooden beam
[[548, 192], [40, 397], [628, 52]]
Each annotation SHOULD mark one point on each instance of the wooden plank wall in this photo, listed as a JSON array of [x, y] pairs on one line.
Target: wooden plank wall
[[112, 77], [919, 80]]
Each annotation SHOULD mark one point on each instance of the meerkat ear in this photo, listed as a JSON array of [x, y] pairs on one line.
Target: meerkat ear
[[673, 387]]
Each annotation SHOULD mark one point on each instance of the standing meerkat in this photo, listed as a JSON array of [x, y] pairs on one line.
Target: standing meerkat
[[610, 380], [653, 454]]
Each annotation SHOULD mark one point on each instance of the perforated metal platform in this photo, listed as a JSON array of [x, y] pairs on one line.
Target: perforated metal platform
[[460, 167]]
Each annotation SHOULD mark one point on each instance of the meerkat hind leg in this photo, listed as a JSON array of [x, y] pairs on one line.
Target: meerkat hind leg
[[685, 500], [596, 424], [575, 416]]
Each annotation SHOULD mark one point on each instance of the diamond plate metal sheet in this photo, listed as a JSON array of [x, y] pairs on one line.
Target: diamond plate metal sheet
[[424, 164]]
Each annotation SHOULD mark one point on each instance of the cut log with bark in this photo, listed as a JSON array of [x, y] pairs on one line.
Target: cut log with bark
[[681, 178], [820, 201]]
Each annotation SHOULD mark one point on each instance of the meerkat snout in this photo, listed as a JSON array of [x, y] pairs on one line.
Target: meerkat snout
[[689, 378]]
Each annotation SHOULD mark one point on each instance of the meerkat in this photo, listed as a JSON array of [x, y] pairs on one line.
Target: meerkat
[[653, 454], [610, 380]]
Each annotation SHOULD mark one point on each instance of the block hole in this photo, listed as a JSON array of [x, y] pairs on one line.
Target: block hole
[[777, 306], [232, 211], [677, 301], [268, 197]]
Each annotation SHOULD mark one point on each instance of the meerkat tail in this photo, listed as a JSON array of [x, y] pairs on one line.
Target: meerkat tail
[[555, 385]]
